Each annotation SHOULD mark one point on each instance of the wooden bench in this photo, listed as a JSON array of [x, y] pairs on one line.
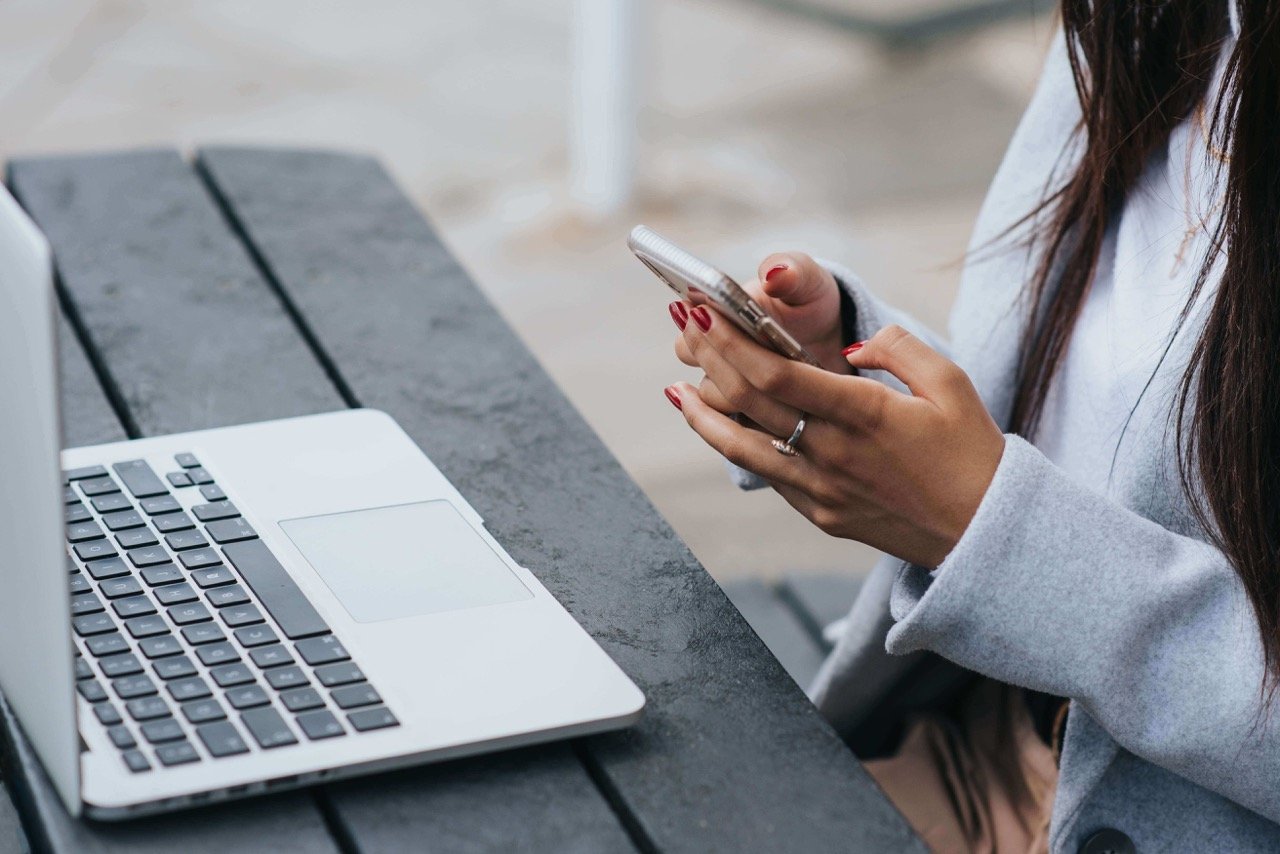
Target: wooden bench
[[256, 284]]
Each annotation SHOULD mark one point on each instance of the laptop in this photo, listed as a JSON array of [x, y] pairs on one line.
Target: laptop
[[220, 613]]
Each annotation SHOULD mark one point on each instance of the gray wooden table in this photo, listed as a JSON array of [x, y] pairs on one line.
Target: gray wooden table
[[256, 284]]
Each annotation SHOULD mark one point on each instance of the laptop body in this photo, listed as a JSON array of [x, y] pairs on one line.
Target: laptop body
[[256, 607]]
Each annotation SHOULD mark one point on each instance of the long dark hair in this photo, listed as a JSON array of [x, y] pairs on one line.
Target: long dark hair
[[1141, 68]]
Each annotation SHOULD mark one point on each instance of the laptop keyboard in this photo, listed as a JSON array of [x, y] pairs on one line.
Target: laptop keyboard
[[193, 642]]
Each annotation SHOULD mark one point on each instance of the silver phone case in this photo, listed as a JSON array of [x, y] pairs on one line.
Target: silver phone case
[[701, 284]]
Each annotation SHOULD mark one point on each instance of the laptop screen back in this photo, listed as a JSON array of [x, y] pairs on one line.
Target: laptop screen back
[[36, 671]]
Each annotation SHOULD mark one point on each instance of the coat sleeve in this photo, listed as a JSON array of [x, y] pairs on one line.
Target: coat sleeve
[[1057, 588]]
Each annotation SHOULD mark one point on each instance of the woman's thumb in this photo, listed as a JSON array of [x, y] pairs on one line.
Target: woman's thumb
[[794, 278]]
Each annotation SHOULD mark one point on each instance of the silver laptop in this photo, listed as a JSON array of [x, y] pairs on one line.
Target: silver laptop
[[256, 607]]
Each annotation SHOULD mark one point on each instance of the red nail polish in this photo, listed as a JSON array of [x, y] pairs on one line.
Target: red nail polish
[[773, 271], [852, 348], [679, 314], [702, 317], [673, 397]]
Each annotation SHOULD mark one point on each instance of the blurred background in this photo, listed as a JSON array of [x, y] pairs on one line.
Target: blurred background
[[534, 133]]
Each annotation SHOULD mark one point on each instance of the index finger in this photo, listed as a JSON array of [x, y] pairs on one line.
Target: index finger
[[841, 399]]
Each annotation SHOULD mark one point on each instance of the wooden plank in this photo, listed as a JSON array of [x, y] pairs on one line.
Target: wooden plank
[[730, 754], [545, 795], [180, 320], [776, 623], [819, 600]]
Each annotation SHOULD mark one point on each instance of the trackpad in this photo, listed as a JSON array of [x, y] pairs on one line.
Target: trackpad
[[404, 561]]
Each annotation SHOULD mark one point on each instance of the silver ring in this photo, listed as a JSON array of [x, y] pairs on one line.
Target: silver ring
[[788, 448]]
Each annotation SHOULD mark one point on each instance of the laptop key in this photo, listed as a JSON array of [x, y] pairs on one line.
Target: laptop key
[[197, 558], [213, 492], [134, 686], [79, 532], [165, 573], [230, 675], [173, 522], [83, 669], [76, 512], [268, 728], [79, 584], [94, 550], [136, 538], [92, 690], [160, 647], [103, 645], [199, 475], [376, 718], [135, 761], [93, 624], [321, 724], [147, 708], [251, 636], [224, 596], [174, 594], [271, 656], [275, 589], [85, 603], [112, 567], [161, 731], [215, 510], [221, 739], [115, 588], [160, 505], [121, 737], [178, 753], [107, 714], [186, 460], [217, 653], [185, 615], [134, 606], [203, 633], [69, 495], [284, 678], [321, 650], [181, 540], [240, 615], [115, 666], [146, 627], [202, 711], [84, 473], [123, 521], [353, 696], [178, 479], [149, 556], [302, 699], [230, 531], [139, 479], [110, 503], [212, 577], [98, 486], [192, 688], [247, 697], [174, 668]]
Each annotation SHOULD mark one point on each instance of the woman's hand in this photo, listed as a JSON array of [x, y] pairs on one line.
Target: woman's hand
[[802, 296], [903, 473]]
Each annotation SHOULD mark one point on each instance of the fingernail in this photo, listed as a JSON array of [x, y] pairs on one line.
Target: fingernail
[[702, 317], [773, 271], [852, 348], [673, 397], [679, 314]]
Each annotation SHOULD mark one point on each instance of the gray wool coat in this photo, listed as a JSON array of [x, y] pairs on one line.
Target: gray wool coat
[[1115, 601]]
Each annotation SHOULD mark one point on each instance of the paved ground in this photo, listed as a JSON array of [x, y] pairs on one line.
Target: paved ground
[[759, 132]]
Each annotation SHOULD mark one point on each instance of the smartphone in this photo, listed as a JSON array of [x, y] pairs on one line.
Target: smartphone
[[701, 284]]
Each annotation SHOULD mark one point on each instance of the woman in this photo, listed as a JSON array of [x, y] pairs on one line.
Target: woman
[[1081, 489]]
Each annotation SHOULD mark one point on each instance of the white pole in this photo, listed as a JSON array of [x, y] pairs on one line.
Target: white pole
[[605, 99]]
